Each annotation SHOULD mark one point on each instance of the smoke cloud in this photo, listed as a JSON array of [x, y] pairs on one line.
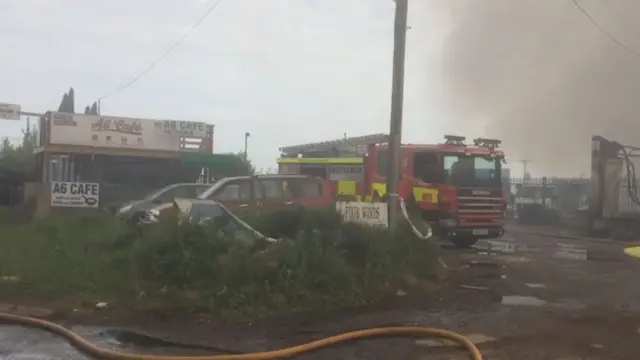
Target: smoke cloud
[[543, 78]]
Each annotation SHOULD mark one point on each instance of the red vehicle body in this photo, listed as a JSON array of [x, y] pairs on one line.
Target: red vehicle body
[[264, 193], [456, 187]]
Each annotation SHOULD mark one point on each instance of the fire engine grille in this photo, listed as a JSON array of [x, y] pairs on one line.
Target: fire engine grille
[[486, 202]]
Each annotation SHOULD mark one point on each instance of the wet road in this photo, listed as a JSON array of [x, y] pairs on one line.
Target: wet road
[[538, 297]]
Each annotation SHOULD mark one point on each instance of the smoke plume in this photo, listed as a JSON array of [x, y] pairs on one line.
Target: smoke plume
[[543, 76]]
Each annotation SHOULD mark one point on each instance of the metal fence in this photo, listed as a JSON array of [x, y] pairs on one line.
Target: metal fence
[[565, 194]]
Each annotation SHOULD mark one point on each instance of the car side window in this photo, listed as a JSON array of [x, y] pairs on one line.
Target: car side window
[[184, 192], [234, 191], [272, 188], [199, 190], [304, 188], [168, 195]]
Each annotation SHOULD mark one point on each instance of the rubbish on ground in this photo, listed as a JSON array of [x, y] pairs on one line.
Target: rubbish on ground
[[472, 287], [572, 252], [101, 305], [518, 300], [535, 286]]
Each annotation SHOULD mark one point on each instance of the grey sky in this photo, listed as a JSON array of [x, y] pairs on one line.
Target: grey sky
[[288, 71], [292, 71]]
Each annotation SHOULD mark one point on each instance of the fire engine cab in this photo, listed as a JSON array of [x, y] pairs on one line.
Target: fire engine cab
[[456, 187]]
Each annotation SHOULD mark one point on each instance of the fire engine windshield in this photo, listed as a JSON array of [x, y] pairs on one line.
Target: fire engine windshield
[[472, 170]]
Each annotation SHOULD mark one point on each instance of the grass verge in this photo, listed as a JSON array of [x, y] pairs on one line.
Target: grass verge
[[72, 262]]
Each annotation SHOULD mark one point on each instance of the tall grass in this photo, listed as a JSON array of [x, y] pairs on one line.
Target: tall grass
[[320, 263]]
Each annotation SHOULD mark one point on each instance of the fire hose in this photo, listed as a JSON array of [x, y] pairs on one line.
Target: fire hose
[[96, 352]]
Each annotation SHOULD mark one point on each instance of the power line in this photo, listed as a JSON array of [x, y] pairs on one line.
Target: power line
[[165, 54], [603, 31]]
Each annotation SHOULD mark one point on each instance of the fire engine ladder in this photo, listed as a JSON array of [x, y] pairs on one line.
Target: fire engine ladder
[[348, 146]]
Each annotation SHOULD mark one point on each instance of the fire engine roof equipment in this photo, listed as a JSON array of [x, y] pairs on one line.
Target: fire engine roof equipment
[[454, 140], [487, 143], [356, 145]]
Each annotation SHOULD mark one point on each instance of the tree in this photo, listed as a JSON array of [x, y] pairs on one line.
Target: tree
[[19, 162], [91, 110], [234, 165], [68, 102], [94, 108], [245, 166]]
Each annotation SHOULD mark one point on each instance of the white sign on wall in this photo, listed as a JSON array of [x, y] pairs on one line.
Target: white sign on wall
[[374, 214], [185, 128], [119, 132], [75, 194], [9, 111]]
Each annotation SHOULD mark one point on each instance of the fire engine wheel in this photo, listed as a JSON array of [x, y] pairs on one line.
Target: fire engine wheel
[[463, 242]]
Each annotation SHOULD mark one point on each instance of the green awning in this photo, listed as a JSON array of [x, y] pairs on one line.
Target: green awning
[[208, 160]]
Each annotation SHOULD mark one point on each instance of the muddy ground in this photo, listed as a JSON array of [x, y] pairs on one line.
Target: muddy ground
[[531, 296]]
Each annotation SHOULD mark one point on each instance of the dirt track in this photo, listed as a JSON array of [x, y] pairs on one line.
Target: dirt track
[[567, 308]]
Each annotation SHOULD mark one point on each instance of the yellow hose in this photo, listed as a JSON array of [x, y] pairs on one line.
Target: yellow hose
[[99, 353]]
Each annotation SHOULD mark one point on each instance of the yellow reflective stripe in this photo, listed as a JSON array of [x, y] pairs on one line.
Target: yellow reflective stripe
[[346, 187], [380, 188], [422, 194], [346, 160]]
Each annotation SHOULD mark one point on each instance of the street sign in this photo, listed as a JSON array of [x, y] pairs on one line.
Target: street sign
[[9, 111]]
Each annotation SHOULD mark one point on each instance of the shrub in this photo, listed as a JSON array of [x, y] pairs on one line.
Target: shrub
[[321, 262]]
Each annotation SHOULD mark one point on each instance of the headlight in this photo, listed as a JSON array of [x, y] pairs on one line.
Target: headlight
[[125, 208]]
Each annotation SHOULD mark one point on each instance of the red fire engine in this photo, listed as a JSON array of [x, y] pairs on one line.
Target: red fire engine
[[456, 187]]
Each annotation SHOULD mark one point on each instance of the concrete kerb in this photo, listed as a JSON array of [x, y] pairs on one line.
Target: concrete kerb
[[574, 237]]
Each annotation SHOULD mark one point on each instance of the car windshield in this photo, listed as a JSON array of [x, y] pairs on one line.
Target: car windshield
[[157, 192], [472, 170]]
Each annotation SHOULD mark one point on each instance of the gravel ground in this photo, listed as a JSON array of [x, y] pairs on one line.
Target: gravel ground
[[528, 296]]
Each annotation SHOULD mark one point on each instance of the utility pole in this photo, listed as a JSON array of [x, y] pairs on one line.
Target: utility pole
[[246, 145], [524, 163], [397, 95]]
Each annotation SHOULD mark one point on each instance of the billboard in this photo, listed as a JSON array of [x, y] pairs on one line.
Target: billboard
[[121, 132], [9, 111]]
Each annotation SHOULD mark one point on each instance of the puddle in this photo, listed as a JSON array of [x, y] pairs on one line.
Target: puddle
[[139, 340], [570, 252], [517, 300]]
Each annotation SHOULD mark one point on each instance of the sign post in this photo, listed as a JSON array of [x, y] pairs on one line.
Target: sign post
[[9, 111]]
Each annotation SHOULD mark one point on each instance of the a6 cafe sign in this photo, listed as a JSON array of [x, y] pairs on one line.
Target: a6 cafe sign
[[185, 128], [112, 131]]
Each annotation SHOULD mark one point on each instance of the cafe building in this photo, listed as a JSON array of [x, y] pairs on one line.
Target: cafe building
[[127, 157]]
